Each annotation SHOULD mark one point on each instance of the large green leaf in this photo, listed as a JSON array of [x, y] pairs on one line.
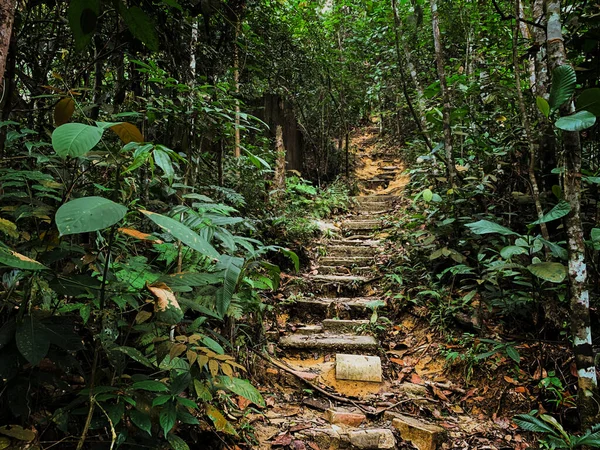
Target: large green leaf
[[589, 100], [75, 139], [549, 271], [177, 443], [487, 227], [531, 423], [141, 420], [560, 210], [543, 106], [240, 387], [83, 18], [232, 268], [87, 214], [141, 26], [512, 250], [183, 233], [18, 261], [32, 340], [576, 122], [162, 160], [168, 417], [564, 80]]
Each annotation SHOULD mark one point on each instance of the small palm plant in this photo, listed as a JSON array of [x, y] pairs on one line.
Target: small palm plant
[[555, 435]]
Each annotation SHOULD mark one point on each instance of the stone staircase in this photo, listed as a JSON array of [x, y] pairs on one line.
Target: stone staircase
[[333, 321]]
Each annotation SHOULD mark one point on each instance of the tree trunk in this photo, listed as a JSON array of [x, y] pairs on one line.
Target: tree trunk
[[7, 17], [535, 190], [439, 60], [587, 383], [236, 79], [279, 176]]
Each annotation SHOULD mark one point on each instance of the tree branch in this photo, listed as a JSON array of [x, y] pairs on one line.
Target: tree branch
[[510, 17]]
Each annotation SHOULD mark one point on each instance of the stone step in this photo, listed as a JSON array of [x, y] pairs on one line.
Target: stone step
[[369, 225], [388, 176], [337, 279], [352, 250], [375, 183], [329, 342], [342, 325], [358, 368], [372, 206], [320, 308], [346, 261], [375, 198], [337, 437], [373, 213], [423, 435], [391, 168], [342, 270], [356, 242]]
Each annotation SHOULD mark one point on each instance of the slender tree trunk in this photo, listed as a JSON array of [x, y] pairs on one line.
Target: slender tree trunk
[[535, 190], [420, 117], [7, 18], [587, 383], [439, 59], [236, 79], [279, 176]]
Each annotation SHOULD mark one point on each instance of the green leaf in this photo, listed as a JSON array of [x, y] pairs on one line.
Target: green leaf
[[589, 100], [75, 139], [83, 18], [293, 256], [560, 210], [555, 249], [232, 267], [141, 420], [162, 160], [219, 420], [543, 106], [513, 354], [595, 236], [240, 387], [427, 195], [202, 391], [486, 227], [141, 26], [549, 271], [13, 259], [512, 250], [88, 214], [161, 400], [531, 423], [18, 432], [32, 340], [167, 417], [183, 233], [150, 385], [177, 443], [213, 345], [564, 80], [136, 355], [576, 122]]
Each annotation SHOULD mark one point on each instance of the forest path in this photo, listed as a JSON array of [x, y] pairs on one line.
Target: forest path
[[342, 376]]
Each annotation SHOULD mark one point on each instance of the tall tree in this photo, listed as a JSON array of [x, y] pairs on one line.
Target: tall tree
[[439, 60], [579, 296], [7, 17]]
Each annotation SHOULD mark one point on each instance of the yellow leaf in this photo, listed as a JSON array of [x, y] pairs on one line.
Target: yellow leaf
[[128, 132], [142, 316], [239, 366], [63, 111], [208, 352], [227, 370], [213, 366], [194, 338], [139, 235], [191, 356], [202, 360], [223, 357], [8, 228], [165, 298], [181, 339], [177, 350], [219, 420]]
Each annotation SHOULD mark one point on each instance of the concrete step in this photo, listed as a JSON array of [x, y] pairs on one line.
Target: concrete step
[[369, 242], [363, 225], [372, 206], [352, 250], [342, 325], [320, 308], [346, 261], [337, 279], [329, 342], [342, 270], [375, 183], [336, 437], [373, 213], [375, 198], [390, 168]]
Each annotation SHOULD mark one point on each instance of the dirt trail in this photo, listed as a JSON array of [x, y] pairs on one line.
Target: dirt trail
[[339, 378]]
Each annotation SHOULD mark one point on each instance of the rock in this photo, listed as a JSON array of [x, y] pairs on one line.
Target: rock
[[328, 342], [343, 326], [412, 390], [358, 368], [362, 225], [346, 261], [352, 250], [421, 434], [325, 226], [378, 438], [337, 278], [309, 329], [339, 416]]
